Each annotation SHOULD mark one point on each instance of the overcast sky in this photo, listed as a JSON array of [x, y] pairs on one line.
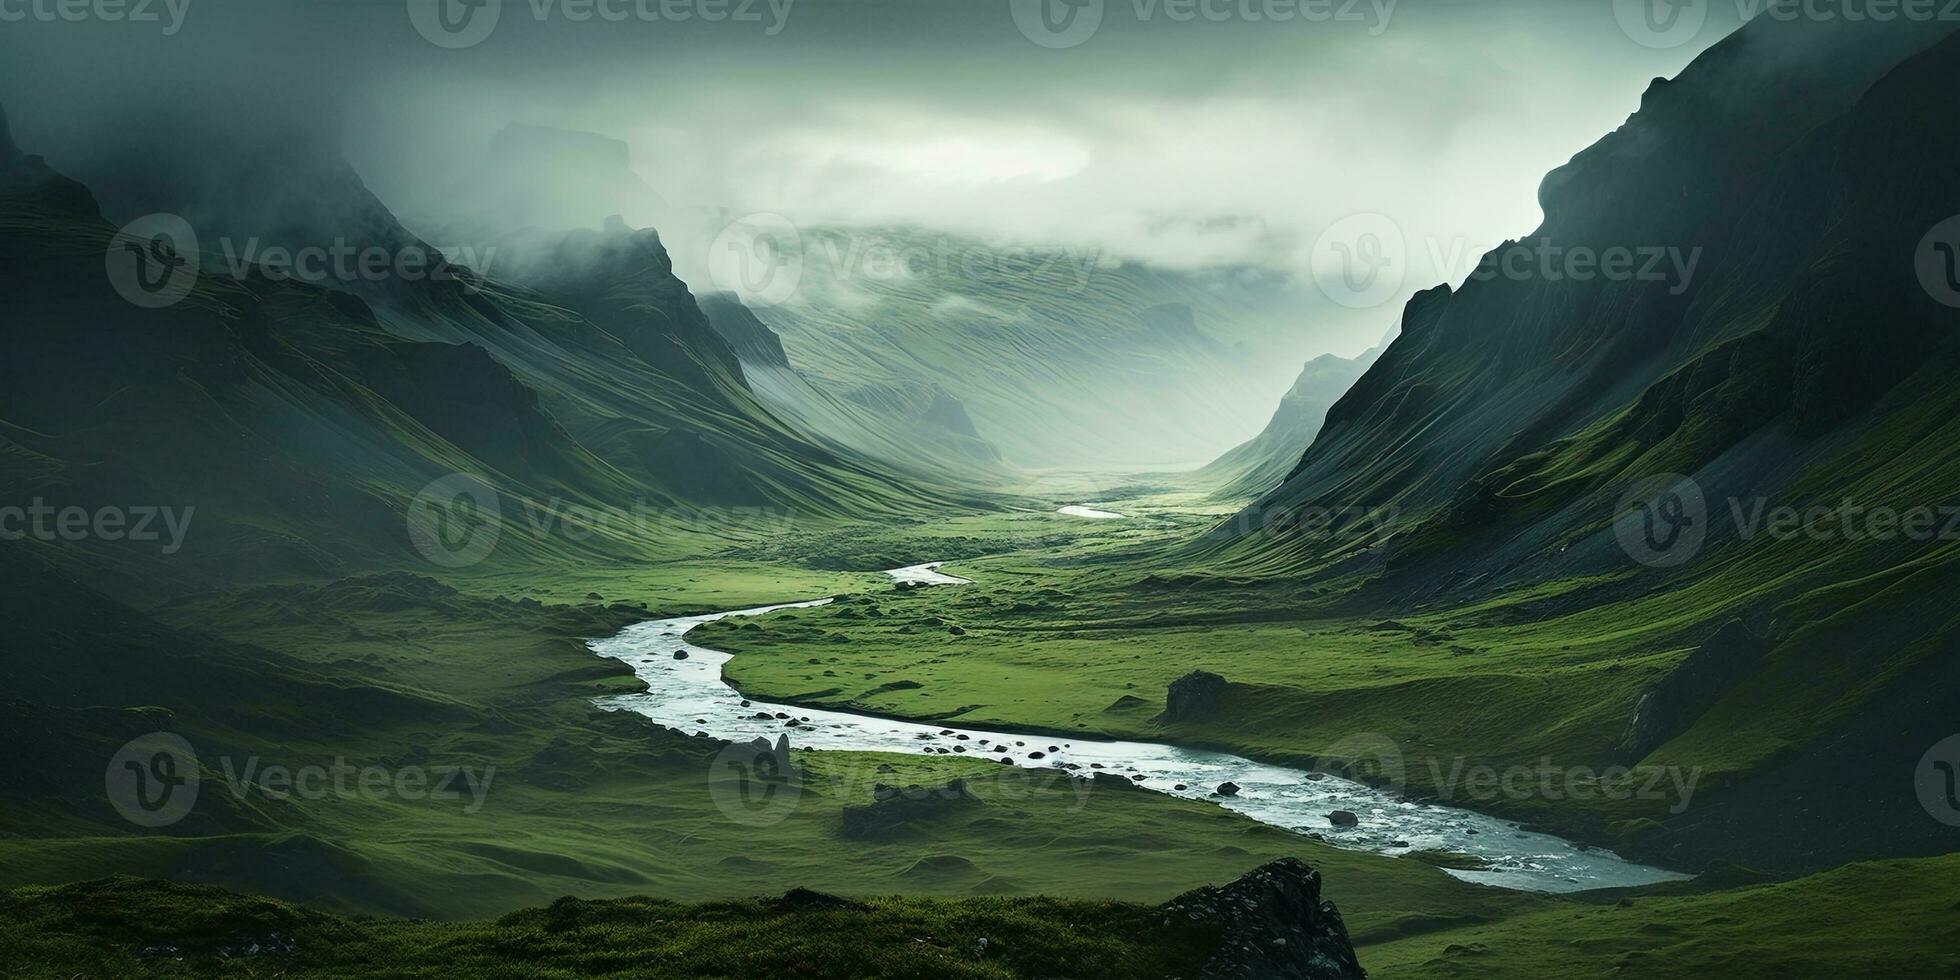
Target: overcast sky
[[1163, 134]]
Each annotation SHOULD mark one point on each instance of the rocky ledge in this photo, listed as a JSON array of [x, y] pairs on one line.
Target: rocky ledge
[[1275, 927]]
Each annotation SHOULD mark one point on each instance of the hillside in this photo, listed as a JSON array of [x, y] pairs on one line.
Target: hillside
[[303, 414], [1522, 425]]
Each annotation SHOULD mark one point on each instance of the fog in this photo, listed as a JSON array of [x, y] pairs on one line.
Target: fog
[[1185, 143]]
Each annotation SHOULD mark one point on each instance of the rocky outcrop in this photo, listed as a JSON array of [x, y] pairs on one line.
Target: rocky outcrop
[[1691, 688], [1197, 696], [1275, 926]]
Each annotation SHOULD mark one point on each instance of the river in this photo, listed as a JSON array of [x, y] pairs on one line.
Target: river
[[688, 694]]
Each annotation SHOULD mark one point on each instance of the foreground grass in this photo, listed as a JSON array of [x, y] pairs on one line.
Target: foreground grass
[[130, 927], [1889, 919]]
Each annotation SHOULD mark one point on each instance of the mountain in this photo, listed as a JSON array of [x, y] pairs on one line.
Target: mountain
[[915, 428], [302, 413], [1055, 356], [1579, 459], [1060, 358], [540, 178], [1259, 464]]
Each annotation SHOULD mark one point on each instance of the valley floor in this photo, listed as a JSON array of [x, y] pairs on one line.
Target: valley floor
[[1064, 628]]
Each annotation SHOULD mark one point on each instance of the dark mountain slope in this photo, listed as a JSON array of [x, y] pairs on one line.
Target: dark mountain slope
[[1522, 430]]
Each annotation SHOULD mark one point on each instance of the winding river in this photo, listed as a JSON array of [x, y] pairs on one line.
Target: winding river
[[688, 694]]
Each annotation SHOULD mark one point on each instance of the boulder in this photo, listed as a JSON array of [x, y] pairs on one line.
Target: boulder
[[1344, 818], [1227, 788], [1197, 696]]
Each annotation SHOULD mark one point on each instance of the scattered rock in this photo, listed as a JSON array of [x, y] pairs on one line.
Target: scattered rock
[[893, 809]]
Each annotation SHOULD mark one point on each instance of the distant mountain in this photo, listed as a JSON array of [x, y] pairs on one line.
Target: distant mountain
[[1522, 430], [1259, 464], [542, 179], [1059, 357], [914, 428]]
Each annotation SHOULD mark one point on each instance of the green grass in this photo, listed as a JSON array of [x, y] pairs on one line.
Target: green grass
[[599, 803], [106, 926], [1891, 919], [1894, 919]]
